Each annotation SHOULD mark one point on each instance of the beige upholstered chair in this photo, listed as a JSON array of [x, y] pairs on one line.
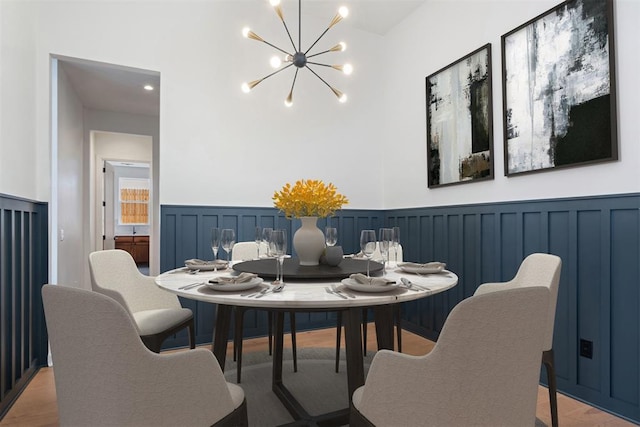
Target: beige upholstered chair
[[246, 251], [483, 370], [539, 270], [157, 313], [105, 376]]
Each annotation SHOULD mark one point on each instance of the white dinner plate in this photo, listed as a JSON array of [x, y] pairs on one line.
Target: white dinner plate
[[428, 268], [357, 286], [230, 287], [209, 266]]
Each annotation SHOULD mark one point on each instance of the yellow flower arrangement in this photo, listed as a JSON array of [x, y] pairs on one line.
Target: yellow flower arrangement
[[308, 198]]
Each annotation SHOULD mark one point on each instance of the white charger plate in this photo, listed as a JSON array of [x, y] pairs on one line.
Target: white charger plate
[[357, 286], [429, 268], [230, 287]]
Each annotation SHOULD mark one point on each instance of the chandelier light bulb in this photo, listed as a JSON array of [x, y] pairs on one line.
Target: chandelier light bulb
[[245, 32], [274, 3], [343, 11], [275, 62], [343, 46], [289, 101], [245, 87], [347, 69], [343, 98]]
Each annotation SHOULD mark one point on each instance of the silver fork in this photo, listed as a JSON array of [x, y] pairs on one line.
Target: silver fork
[[250, 294], [335, 289], [329, 291]]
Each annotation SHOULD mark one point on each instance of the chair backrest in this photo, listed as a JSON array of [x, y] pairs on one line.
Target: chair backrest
[[104, 375], [537, 269], [114, 273], [246, 251], [483, 370]]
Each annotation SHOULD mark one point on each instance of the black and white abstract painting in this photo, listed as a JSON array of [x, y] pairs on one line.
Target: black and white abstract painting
[[558, 88], [459, 120]]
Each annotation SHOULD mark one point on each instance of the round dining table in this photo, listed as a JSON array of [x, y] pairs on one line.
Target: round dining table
[[333, 292]]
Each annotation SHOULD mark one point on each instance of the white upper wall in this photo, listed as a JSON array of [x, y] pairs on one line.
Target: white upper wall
[[219, 146], [443, 31]]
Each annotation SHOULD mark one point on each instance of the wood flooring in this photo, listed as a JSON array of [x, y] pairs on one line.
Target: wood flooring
[[36, 407]]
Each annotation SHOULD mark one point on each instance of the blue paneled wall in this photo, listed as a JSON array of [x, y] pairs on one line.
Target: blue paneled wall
[[598, 239]]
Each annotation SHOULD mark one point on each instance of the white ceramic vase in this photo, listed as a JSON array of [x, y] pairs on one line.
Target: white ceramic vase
[[308, 241]]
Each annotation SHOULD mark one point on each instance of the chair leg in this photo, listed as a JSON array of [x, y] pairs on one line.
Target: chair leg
[[548, 361], [338, 339], [270, 315], [364, 331], [398, 316], [237, 341], [292, 321]]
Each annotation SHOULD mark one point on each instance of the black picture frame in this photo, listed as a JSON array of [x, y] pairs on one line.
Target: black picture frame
[[459, 103], [558, 89]]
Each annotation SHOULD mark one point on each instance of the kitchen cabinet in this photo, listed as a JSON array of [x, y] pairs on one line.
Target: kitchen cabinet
[[137, 246]]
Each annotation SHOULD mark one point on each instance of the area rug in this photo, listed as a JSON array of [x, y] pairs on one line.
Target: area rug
[[316, 385]]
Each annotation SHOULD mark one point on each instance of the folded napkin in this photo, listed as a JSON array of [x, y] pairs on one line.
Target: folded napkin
[[374, 281], [195, 262], [228, 280]]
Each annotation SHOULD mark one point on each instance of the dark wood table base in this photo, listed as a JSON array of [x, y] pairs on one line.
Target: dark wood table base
[[352, 318]]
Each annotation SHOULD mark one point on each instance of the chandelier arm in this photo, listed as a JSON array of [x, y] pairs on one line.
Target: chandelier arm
[[295, 76], [320, 53], [321, 79], [317, 40], [300, 26], [275, 72], [317, 63], [289, 34], [275, 47]]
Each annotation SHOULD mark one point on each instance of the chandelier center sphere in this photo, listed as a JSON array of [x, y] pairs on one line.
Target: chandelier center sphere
[[299, 59]]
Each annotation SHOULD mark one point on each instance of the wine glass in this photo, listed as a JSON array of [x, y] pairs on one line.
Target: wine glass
[[228, 239], [386, 236], [266, 238], [368, 245], [331, 236], [215, 242], [395, 242], [258, 239], [279, 249]]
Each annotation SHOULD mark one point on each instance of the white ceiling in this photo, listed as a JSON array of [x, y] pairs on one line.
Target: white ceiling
[[114, 88]]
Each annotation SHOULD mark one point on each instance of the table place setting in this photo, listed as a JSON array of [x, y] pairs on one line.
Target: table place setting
[[422, 268], [230, 283], [201, 265]]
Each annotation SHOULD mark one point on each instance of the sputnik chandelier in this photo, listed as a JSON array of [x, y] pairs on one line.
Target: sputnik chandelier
[[298, 58]]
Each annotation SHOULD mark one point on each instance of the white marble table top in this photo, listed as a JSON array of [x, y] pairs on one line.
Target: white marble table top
[[307, 294]]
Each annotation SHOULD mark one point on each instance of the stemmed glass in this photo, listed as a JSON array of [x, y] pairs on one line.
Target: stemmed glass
[[331, 236], [386, 236], [278, 245], [215, 242], [395, 242], [258, 239], [228, 239], [266, 238], [368, 245]]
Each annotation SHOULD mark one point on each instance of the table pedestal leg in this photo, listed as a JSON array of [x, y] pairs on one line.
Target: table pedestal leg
[[221, 333], [383, 315]]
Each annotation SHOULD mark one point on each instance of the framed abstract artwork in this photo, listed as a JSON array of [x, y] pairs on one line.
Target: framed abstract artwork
[[460, 121], [558, 81]]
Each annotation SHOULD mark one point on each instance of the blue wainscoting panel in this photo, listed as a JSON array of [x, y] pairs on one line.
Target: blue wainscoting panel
[[598, 239], [23, 271]]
